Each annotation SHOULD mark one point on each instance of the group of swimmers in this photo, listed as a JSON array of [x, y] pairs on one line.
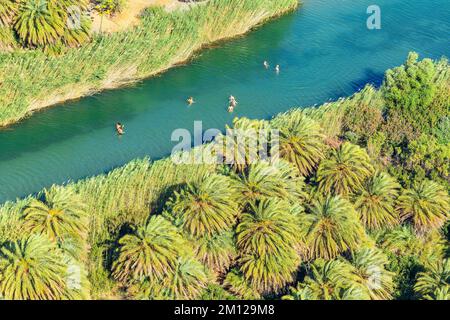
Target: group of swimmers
[[190, 101], [267, 66], [232, 100]]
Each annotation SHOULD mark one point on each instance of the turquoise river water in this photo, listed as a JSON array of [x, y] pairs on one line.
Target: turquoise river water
[[325, 51]]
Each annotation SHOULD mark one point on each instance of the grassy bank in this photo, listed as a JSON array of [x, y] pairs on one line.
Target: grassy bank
[[31, 80], [384, 174]]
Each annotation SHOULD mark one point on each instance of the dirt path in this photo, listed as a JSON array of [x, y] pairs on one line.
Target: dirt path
[[130, 15]]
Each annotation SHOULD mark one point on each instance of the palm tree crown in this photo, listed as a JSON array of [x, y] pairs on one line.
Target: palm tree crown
[[332, 227], [344, 171], [375, 202], [426, 205]]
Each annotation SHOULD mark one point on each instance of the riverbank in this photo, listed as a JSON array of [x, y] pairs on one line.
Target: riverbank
[[120, 201], [32, 80]]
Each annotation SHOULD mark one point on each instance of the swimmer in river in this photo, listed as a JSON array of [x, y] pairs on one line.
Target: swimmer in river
[[230, 108], [120, 128], [277, 68], [266, 65], [190, 101], [233, 101]]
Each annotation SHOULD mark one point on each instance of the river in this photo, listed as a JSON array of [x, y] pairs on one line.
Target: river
[[325, 51]]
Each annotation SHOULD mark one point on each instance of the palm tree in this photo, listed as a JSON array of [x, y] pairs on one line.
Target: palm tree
[[236, 283], [370, 269], [151, 252], [332, 227], [375, 202], [243, 144], [60, 215], [435, 281], [216, 252], [39, 24], [204, 208], [8, 9], [42, 23], [263, 180], [268, 239], [301, 141], [269, 227], [426, 205], [329, 280], [187, 281], [34, 269], [344, 171]]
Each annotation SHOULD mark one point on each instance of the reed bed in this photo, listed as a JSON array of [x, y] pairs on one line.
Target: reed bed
[[31, 80]]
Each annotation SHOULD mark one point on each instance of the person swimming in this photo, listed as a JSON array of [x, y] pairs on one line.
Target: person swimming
[[266, 65], [190, 101], [233, 101], [277, 68], [230, 108], [120, 128]]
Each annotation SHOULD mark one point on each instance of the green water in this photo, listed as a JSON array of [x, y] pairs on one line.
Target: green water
[[325, 51]]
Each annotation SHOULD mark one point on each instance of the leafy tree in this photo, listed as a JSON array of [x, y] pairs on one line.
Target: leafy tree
[[344, 171], [34, 269], [332, 227], [301, 141], [151, 252], [409, 92], [375, 203], [426, 205], [204, 208]]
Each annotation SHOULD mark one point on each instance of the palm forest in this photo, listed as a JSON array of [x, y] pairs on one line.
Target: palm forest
[[356, 208]]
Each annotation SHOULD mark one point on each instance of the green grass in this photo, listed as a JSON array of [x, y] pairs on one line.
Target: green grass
[[32, 80]]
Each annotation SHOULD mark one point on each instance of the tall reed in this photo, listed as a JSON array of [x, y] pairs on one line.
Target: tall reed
[[30, 80]]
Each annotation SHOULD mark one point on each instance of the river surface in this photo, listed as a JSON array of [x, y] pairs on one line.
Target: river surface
[[325, 51]]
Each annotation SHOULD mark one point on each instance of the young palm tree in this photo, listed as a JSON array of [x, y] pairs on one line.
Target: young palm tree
[[301, 141], [205, 208], [332, 227], [344, 171], [369, 267], [375, 202], [187, 281], [151, 252], [426, 205], [263, 180], [34, 269], [236, 283], [8, 9], [268, 238], [329, 280], [60, 215], [216, 252], [435, 281]]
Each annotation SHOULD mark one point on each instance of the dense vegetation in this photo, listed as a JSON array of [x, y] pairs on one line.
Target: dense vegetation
[[357, 208], [32, 79]]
